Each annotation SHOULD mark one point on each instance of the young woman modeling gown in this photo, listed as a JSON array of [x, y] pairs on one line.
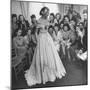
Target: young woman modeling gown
[[46, 64]]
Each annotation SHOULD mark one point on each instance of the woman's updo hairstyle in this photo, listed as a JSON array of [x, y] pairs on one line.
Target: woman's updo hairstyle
[[42, 10]]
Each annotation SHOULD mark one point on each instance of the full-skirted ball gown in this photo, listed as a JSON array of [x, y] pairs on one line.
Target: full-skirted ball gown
[[46, 64]]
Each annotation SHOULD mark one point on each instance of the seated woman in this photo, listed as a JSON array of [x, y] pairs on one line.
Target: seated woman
[[19, 43], [65, 43], [73, 45]]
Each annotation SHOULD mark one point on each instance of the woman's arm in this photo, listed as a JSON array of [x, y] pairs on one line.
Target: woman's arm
[[54, 36], [16, 44], [34, 38]]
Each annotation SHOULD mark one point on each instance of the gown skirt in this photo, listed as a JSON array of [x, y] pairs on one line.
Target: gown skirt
[[46, 64]]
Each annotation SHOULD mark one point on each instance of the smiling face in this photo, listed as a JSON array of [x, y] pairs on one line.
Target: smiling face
[[51, 18], [19, 32], [50, 30], [56, 28], [66, 20], [33, 20], [65, 28], [58, 16], [61, 26]]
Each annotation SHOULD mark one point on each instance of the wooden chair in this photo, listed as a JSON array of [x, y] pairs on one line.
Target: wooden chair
[[17, 65], [13, 53], [25, 63]]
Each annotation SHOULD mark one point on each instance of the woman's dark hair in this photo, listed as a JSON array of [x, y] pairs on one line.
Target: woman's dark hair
[[51, 27], [14, 15], [20, 16], [17, 31], [65, 17], [42, 10], [58, 14], [67, 26], [33, 16], [75, 23], [52, 14], [60, 24], [56, 25]]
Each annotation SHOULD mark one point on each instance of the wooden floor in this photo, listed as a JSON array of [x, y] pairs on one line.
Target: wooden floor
[[76, 75]]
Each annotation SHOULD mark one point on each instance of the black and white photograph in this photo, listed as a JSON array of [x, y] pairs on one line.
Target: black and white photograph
[[49, 44]]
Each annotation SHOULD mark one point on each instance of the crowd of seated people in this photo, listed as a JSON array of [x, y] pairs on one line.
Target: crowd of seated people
[[69, 34]]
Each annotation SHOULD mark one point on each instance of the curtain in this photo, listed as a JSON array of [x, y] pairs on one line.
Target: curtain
[[34, 8], [25, 9], [15, 7], [29, 8]]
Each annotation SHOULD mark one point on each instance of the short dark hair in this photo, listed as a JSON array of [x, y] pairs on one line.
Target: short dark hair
[[67, 26], [56, 25], [33, 16], [20, 16], [52, 14], [65, 17], [17, 31], [61, 22], [58, 14], [51, 27], [42, 10], [14, 15]]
